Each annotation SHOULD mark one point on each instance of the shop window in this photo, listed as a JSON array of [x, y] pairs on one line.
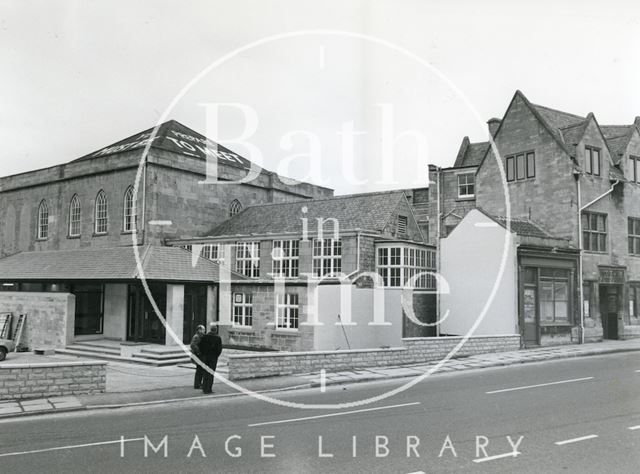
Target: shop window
[[634, 301], [554, 296]]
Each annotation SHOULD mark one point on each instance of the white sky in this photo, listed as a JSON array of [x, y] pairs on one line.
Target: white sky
[[76, 76]]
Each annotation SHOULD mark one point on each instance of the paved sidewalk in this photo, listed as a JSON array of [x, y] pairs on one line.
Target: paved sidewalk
[[129, 384]]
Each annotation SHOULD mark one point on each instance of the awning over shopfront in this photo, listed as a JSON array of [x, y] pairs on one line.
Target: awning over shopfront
[[159, 263]]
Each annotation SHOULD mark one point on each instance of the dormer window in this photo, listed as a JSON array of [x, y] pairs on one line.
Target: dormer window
[[592, 161]]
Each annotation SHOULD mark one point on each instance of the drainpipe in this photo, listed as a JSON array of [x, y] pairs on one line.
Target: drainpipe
[[581, 244]]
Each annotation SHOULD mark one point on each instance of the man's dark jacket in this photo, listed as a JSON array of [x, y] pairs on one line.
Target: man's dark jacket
[[210, 347]]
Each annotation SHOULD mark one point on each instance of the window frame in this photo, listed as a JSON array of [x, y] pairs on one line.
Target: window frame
[[43, 220], [396, 266], [466, 186], [242, 309], [248, 258], [513, 166], [287, 265], [555, 280], [588, 160], [207, 251], [129, 212], [321, 261], [635, 168], [590, 232], [287, 311], [633, 231], [75, 217], [235, 207], [101, 214]]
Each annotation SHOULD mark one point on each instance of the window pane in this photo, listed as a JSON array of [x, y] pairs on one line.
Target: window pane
[[587, 160], [520, 167], [531, 165], [511, 170]]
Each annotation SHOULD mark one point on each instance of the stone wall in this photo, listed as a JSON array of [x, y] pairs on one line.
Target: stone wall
[[50, 317], [415, 350], [52, 379]]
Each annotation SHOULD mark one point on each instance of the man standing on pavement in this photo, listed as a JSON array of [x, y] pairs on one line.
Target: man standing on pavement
[[195, 351], [210, 348]]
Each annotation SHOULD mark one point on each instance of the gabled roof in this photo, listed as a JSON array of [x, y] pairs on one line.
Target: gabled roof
[[470, 154], [557, 118], [110, 264], [367, 212], [175, 137]]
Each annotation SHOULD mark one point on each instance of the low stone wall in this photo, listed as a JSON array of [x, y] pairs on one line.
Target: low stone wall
[[51, 379], [416, 350]]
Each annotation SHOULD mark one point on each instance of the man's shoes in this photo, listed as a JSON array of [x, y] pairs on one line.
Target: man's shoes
[[197, 387], [207, 393]]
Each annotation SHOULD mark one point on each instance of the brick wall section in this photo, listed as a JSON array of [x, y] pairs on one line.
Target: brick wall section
[[415, 350], [50, 317], [18, 381]]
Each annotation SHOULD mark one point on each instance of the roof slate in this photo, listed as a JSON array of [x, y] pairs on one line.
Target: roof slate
[[474, 154], [370, 211], [116, 263]]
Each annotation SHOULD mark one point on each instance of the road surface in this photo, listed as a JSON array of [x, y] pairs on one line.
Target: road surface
[[578, 415]]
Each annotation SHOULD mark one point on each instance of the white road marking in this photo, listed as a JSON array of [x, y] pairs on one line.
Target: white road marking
[[160, 222], [74, 446], [332, 414], [637, 427], [512, 454], [538, 385], [575, 440]]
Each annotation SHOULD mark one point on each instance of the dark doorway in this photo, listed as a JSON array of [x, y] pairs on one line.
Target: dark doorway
[[144, 325], [89, 316], [609, 309], [195, 310], [530, 319]]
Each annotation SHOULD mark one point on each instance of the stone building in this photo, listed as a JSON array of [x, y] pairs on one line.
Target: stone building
[[577, 180], [59, 224], [299, 258]]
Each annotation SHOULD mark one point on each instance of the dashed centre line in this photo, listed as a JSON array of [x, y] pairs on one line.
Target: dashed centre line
[[576, 440], [525, 387], [512, 454]]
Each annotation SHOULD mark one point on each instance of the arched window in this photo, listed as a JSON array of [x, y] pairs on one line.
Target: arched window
[[101, 216], [43, 220], [234, 207], [129, 211], [74, 216]]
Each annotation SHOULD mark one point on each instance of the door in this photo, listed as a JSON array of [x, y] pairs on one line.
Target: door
[[195, 310], [609, 309], [530, 316], [144, 325], [89, 316]]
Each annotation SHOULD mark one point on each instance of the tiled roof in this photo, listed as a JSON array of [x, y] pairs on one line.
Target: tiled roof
[[521, 226], [613, 131], [573, 134], [474, 154], [370, 211], [167, 137], [116, 263], [556, 118]]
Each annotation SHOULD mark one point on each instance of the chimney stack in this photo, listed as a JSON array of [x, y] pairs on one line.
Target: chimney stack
[[493, 124]]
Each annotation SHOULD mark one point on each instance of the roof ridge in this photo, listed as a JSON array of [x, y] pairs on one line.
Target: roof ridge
[[333, 198], [559, 111]]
